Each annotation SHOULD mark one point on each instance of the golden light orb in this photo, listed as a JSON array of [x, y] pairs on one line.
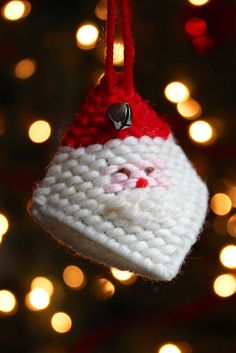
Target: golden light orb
[[74, 277], [231, 226], [15, 10], [118, 53], [43, 283], [87, 36], [101, 10], [124, 277], [4, 225], [228, 256], [103, 289], [201, 131], [198, 2], [231, 192], [176, 92], [37, 299], [169, 348], [39, 131], [7, 301], [25, 68], [220, 204], [189, 109], [61, 322], [225, 285]]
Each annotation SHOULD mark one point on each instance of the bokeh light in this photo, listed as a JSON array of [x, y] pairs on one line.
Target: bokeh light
[[176, 92], [15, 10], [7, 301], [195, 26], [203, 44], [39, 131], [221, 204], [228, 256], [74, 277], [87, 36], [124, 277], [37, 299], [25, 68], [118, 53], [61, 322], [101, 10], [198, 2], [189, 109], [201, 132], [231, 192], [103, 289], [231, 226], [43, 283], [225, 285], [4, 225], [169, 348]]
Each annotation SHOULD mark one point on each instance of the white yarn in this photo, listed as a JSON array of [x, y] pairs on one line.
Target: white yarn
[[145, 230]]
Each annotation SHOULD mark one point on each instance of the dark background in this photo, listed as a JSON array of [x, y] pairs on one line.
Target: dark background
[[141, 317]]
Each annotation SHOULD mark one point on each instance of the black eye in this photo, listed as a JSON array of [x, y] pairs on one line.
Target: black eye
[[149, 170], [124, 171]]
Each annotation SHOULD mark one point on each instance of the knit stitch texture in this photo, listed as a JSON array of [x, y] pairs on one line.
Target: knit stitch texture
[[148, 229]]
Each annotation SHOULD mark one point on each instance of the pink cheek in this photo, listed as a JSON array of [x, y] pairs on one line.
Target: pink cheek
[[112, 188]]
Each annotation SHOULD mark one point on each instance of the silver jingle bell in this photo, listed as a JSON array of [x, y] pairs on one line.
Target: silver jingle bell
[[121, 115]]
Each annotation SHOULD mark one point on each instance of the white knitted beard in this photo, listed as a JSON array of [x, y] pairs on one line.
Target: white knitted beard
[[147, 230]]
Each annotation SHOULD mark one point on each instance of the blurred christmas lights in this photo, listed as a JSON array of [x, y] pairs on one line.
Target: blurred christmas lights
[[231, 226], [203, 44], [42, 283], [231, 192], [39, 131], [74, 277], [87, 36], [37, 299], [25, 68], [4, 225], [101, 10], [221, 204], [228, 256], [195, 27], [176, 92], [201, 132], [118, 53], [169, 348], [124, 277], [15, 10], [103, 289], [189, 109], [61, 322], [198, 2], [7, 301], [225, 285]]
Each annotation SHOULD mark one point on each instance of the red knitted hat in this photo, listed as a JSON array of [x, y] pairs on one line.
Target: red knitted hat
[[92, 124]]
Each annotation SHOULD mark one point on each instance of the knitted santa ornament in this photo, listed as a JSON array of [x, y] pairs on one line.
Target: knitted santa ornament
[[119, 189]]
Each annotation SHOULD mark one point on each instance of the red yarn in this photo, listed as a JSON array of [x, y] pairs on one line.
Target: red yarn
[[111, 21], [92, 125], [128, 45]]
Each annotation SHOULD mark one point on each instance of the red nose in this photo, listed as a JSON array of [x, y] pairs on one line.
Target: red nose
[[141, 183]]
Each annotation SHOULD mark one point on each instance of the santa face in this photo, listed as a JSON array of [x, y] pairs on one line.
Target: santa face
[[136, 204]]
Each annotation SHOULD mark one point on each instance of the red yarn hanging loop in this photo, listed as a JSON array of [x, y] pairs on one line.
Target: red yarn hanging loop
[[128, 45], [111, 22]]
